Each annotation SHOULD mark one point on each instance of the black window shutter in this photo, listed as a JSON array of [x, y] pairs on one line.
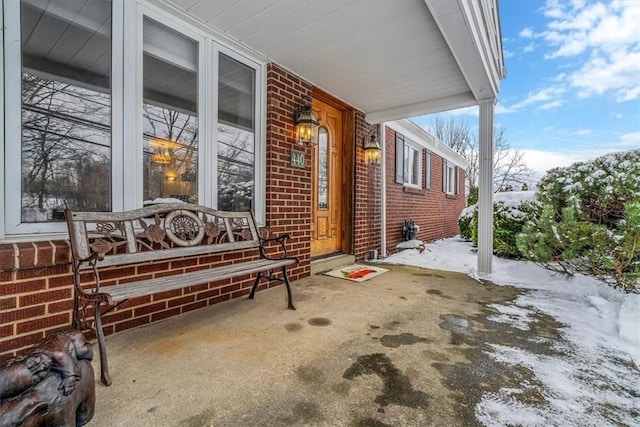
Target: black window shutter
[[399, 158]]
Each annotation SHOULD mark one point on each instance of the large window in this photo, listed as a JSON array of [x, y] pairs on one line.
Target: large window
[[108, 102], [170, 114], [66, 108], [236, 134], [408, 162]]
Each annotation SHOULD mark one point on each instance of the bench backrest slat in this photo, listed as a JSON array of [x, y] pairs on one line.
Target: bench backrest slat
[[168, 230]]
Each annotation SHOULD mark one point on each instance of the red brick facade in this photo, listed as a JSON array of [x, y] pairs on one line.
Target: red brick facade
[[434, 211]]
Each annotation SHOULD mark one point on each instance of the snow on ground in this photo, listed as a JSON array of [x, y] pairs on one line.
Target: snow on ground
[[600, 362]]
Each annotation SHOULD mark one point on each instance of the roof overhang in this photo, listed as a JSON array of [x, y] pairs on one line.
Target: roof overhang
[[390, 59]]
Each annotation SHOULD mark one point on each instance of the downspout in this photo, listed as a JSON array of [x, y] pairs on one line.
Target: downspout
[[383, 191]]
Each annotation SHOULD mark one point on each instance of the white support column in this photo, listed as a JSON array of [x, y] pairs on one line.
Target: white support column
[[485, 189]]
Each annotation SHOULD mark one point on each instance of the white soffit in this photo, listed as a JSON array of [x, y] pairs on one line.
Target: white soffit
[[387, 58]]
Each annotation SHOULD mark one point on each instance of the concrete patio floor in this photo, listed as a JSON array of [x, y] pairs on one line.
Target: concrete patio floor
[[402, 349]]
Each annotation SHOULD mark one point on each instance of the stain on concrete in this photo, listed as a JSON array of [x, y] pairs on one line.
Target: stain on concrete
[[396, 341], [374, 327], [293, 326], [319, 321], [368, 422], [198, 420], [434, 292], [342, 388], [403, 298], [392, 325], [397, 388], [305, 412], [310, 374]]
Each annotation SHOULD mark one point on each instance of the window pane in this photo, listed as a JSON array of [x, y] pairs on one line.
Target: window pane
[[170, 113], [236, 135], [66, 107], [407, 164], [416, 167], [323, 168]]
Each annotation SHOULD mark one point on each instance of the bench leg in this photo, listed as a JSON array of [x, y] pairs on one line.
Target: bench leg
[[255, 286], [285, 280], [104, 365]]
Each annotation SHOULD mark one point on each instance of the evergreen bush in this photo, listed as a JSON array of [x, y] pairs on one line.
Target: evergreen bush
[[510, 212], [588, 220]]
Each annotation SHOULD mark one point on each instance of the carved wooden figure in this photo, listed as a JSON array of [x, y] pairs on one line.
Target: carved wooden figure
[[52, 385]]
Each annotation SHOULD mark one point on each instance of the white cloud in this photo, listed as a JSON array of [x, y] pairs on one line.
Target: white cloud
[[607, 34], [527, 33], [584, 132], [540, 161], [503, 109], [528, 48], [545, 95], [551, 105]]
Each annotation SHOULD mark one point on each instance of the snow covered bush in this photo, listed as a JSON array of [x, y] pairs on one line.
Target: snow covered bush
[[510, 212], [589, 220]]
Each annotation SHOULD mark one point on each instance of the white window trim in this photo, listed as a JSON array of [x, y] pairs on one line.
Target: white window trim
[[402, 142], [449, 176], [126, 191], [418, 152]]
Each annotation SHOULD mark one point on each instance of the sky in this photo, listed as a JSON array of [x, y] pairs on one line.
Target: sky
[[590, 379], [572, 91]]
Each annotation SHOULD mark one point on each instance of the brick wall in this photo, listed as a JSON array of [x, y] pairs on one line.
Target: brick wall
[[288, 195], [367, 185], [433, 210]]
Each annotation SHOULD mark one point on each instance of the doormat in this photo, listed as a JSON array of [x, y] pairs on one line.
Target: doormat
[[356, 272]]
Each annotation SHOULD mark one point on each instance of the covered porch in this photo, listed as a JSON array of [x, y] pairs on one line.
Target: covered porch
[[388, 59]]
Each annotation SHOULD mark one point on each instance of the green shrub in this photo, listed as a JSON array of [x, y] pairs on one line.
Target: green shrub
[[510, 211], [589, 220]]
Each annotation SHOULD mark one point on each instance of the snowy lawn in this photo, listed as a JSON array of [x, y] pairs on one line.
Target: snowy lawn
[[598, 369]]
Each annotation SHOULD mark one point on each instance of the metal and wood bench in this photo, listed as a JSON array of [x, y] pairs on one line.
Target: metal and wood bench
[[160, 232]]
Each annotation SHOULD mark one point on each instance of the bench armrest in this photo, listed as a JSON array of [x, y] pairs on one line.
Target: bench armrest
[[279, 239]]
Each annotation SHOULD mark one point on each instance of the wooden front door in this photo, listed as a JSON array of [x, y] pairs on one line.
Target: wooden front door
[[326, 176]]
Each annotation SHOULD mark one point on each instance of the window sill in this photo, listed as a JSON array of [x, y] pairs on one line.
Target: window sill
[[452, 196], [414, 190]]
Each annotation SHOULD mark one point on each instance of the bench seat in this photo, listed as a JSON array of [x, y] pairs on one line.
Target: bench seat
[[141, 288]]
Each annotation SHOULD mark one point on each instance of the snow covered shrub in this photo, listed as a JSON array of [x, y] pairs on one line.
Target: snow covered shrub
[[510, 212], [589, 221]]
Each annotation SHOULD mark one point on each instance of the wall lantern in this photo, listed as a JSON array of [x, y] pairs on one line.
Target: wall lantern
[[372, 147], [306, 124]]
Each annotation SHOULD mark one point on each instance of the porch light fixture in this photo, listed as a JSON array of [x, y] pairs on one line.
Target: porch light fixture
[[306, 124], [372, 147]]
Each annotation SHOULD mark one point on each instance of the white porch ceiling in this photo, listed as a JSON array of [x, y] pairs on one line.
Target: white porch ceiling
[[389, 58]]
